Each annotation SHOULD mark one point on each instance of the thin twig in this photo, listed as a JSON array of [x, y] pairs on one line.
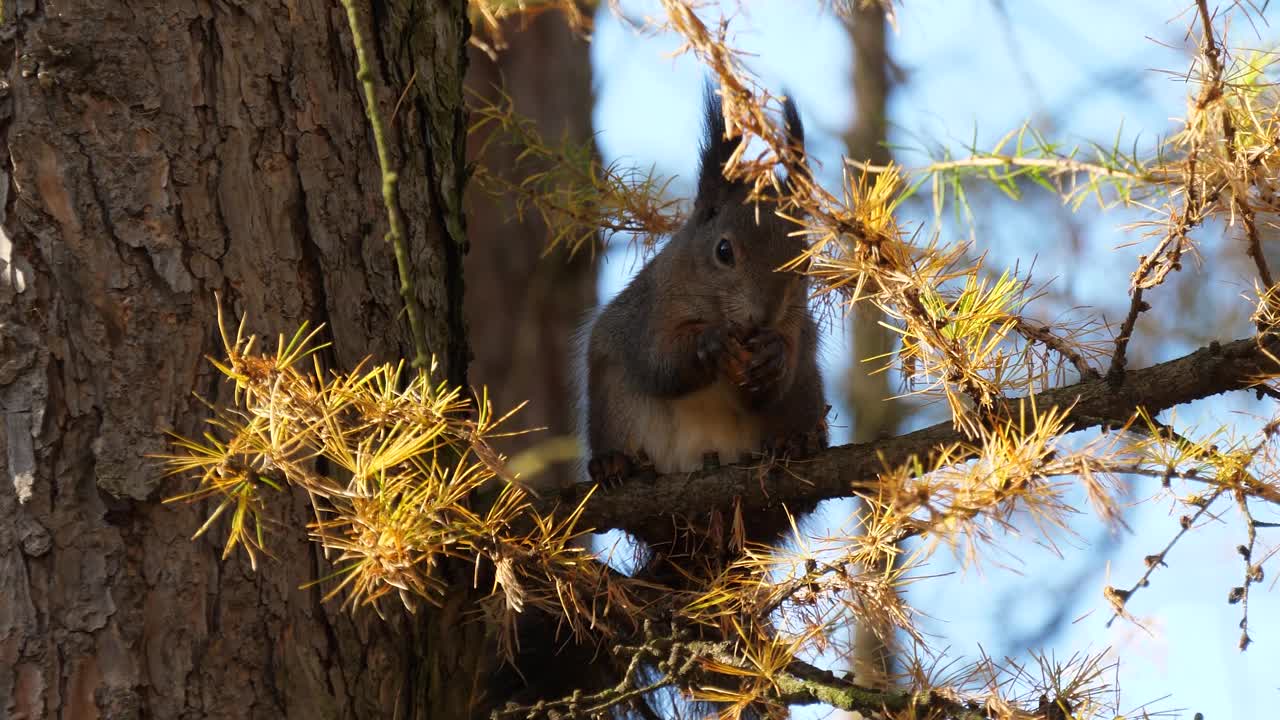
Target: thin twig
[[1235, 483], [1057, 165], [1254, 249], [597, 704], [1044, 335], [1252, 572], [1153, 268], [1213, 54], [390, 179], [1121, 597], [1259, 491]]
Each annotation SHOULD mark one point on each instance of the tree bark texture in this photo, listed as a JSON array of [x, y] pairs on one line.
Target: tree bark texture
[[523, 309], [158, 151]]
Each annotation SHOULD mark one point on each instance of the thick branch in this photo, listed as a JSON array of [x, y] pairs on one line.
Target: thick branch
[[643, 506]]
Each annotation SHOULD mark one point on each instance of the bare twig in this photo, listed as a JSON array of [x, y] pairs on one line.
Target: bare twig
[[1119, 598], [1044, 335], [1254, 244], [1252, 572], [797, 684], [1153, 268], [1213, 54], [1057, 166]]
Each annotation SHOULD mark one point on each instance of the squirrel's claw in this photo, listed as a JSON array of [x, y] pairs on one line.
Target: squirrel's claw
[[610, 469], [768, 362], [721, 349], [799, 445]]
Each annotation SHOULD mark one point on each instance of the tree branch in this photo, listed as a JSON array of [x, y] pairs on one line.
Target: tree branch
[[804, 684], [644, 505], [799, 683]]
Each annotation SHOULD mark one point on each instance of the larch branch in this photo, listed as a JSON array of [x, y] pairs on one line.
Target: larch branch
[[644, 505]]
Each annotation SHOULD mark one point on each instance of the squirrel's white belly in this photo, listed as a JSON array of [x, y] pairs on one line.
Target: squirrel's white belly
[[676, 433]]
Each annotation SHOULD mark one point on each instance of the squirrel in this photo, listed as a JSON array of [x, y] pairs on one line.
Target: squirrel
[[710, 348]]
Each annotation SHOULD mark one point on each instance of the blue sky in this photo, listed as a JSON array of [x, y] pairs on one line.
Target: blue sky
[[1080, 71]]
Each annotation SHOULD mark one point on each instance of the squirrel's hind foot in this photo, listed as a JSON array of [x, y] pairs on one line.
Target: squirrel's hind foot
[[609, 469], [797, 446]]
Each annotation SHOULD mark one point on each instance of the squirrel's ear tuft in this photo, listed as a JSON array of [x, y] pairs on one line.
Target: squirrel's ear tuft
[[791, 116], [794, 128], [716, 151]]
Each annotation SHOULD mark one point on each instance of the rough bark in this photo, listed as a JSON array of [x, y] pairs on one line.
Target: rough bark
[[157, 152], [524, 309]]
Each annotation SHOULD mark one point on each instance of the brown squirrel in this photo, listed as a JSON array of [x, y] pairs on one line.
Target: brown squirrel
[[709, 349]]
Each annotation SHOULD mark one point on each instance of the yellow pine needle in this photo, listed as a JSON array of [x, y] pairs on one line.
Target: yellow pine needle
[[403, 507], [576, 198]]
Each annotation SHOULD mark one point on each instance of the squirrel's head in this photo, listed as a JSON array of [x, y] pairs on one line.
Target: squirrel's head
[[734, 248]]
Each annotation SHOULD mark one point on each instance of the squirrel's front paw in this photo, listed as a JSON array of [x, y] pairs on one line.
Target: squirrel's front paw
[[721, 350], [768, 364], [713, 341]]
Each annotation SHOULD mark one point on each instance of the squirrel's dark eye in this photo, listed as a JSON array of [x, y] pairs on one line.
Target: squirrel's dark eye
[[724, 252]]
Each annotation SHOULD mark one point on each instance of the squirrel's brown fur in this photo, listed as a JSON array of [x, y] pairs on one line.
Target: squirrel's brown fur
[[696, 355], [708, 350]]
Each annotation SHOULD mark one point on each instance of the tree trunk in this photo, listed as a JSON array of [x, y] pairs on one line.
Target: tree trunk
[[523, 309], [867, 392], [158, 152]]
